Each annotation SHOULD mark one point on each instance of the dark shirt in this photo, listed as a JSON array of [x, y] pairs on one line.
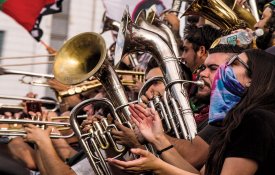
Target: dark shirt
[[254, 139], [208, 133]]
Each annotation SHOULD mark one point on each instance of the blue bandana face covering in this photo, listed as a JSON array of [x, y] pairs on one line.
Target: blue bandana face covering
[[226, 93]]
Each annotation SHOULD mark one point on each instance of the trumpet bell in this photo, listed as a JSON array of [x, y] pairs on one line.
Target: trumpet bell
[[84, 55]]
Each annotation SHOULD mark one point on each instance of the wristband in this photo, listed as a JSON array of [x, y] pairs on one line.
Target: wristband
[[164, 149]]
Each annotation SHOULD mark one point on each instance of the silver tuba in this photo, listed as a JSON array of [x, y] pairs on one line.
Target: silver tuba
[[145, 21], [80, 58], [132, 38], [109, 24]]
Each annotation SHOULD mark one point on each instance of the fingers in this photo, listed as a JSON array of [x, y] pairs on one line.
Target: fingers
[[140, 152], [136, 122], [144, 99], [134, 114], [135, 165], [121, 127]]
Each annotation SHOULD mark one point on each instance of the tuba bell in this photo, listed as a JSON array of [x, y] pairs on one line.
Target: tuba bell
[[109, 24], [217, 12], [242, 13], [80, 58]]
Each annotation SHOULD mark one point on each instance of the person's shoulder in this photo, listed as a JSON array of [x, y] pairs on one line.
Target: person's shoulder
[[260, 116], [259, 113]]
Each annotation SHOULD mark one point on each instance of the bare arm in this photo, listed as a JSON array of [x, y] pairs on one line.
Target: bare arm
[[240, 166], [149, 124], [63, 149], [194, 152], [50, 159], [148, 161]]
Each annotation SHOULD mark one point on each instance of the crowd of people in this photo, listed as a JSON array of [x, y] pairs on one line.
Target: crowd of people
[[234, 112]]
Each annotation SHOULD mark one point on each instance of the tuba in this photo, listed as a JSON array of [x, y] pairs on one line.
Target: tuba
[[109, 24], [217, 12], [80, 58], [146, 19], [132, 38], [242, 13]]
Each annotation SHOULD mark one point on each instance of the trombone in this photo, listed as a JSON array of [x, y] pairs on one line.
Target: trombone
[[27, 99], [41, 80]]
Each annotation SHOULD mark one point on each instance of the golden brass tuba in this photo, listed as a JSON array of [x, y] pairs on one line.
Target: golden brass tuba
[[80, 58], [217, 12], [242, 13]]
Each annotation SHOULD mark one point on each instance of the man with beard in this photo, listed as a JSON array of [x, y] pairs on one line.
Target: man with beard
[[196, 43], [196, 152]]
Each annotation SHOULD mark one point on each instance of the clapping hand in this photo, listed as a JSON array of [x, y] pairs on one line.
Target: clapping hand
[[148, 122]]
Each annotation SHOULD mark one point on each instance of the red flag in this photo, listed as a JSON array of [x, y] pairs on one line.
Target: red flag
[[29, 13]]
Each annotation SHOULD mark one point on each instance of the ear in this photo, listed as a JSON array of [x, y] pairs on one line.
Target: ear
[[201, 52]]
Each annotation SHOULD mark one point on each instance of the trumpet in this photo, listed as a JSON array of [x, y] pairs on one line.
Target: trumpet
[[14, 127]]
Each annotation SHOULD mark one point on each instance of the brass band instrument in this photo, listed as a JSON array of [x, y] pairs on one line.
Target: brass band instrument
[[40, 81], [109, 24], [99, 136], [132, 38], [162, 104], [217, 12], [254, 9], [29, 99], [80, 58], [242, 13], [37, 79], [15, 127], [92, 84]]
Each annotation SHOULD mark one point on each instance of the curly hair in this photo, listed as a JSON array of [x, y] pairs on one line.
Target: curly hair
[[201, 36]]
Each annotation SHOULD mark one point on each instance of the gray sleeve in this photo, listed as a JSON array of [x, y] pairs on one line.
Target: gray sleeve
[[208, 133], [83, 167]]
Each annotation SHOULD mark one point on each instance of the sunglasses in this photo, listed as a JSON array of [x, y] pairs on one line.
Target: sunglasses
[[236, 57]]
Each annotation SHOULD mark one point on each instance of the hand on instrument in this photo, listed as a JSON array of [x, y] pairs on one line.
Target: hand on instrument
[[240, 2], [86, 125], [146, 162], [173, 20], [125, 136], [148, 122]]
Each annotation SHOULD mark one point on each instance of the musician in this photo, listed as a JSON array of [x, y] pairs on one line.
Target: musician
[[196, 152], [267, 23], [196, 42], [245, 143]]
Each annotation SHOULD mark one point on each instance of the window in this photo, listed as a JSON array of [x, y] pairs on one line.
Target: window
[[1, 41]]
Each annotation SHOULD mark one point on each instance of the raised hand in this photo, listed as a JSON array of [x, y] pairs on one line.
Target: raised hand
[[148, 122]]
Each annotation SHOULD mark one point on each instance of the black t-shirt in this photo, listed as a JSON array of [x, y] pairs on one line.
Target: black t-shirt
[[254, 139], [208, 133]]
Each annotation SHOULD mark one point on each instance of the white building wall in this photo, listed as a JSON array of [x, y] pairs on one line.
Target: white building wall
[[85, 16], [18, 42]]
